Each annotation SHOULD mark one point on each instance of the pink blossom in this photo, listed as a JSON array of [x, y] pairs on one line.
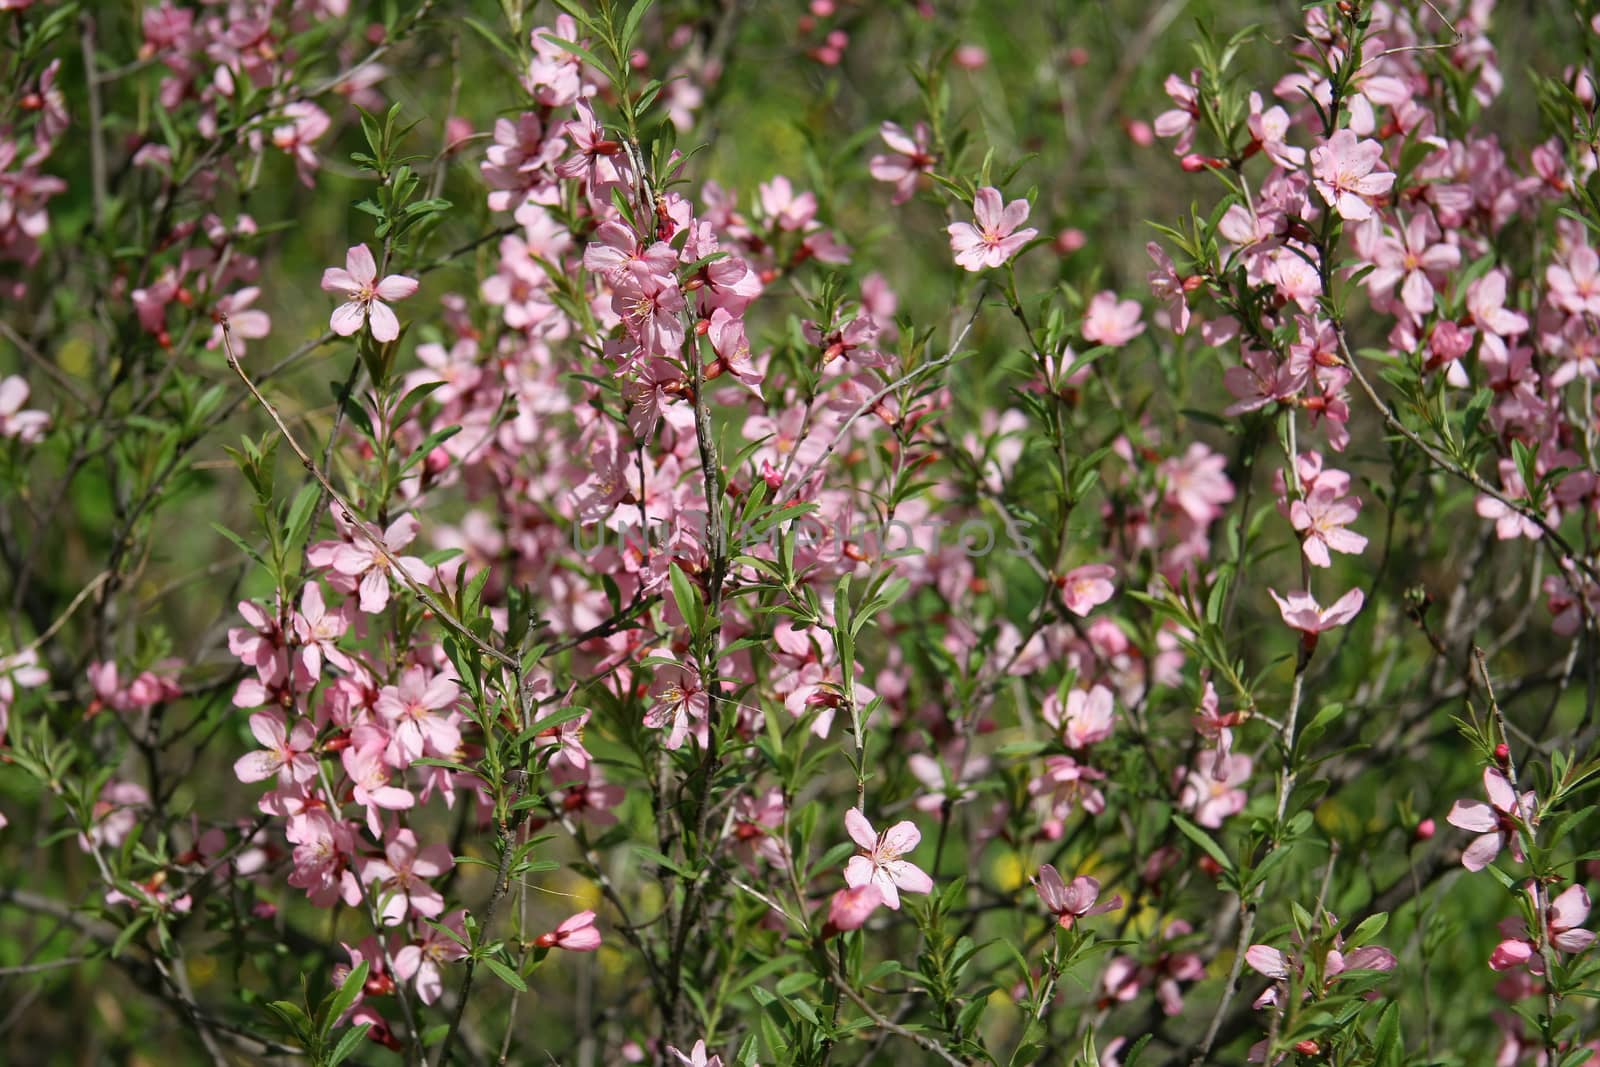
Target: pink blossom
[[881, 864], [423, 961], [995, 238], [1197, 483], [1575, 281], [371, 563], [244, 322], [26, 426], [402, 877], [1165, 284], [1084, 588], [1211, 790], [1564, 915], [318, 630], [1499, 822], [286, 753], [593, 154], [1413, 262], [369, 775], [1124, 976], [116, 815], [1280, 966], [1181, 120], [1263, 379], [1087, 718], [908, 158], [651, 306], [20, 670], [1486, 303], [324, 847], [1321, 519], [948, 779], [1346, 177], [1069, 784], [1213, 725], [410, 710], [1268, 961], [1568, 912], [575, 934], [306, 123], [1069, 903], [365, 295], [1110, 322], [1301, 612], [680, 702], [697, 1056], [1268, 129]]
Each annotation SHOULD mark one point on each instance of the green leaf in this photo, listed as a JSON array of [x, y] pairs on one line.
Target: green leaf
[[347, 1044], [1389, 1050], [687, 597], [340, 1000], [294, 1018], [1204, 840], [495, 39], [506, 974], [240, 543], [127, 935], [1369, 928], [582, 53], [631, 25]]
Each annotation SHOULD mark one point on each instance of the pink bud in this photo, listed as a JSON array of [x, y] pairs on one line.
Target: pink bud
[[456, 130], [1070, 240], [1424, 830], [970, 57]]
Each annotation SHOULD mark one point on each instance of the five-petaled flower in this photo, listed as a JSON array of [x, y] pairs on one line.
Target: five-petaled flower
[[1499, 822], [1345, 174], [1301, 612], [1074, 901], [285, 752], [1084, 588], [995, 238], [881, 864], [908, 157], [365, 295], [403, 875]]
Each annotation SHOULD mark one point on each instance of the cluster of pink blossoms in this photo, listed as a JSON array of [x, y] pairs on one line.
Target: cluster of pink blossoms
[[1409, 247], [25, 195]]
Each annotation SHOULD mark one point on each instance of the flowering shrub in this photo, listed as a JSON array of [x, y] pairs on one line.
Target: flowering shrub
[[617, 617]]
